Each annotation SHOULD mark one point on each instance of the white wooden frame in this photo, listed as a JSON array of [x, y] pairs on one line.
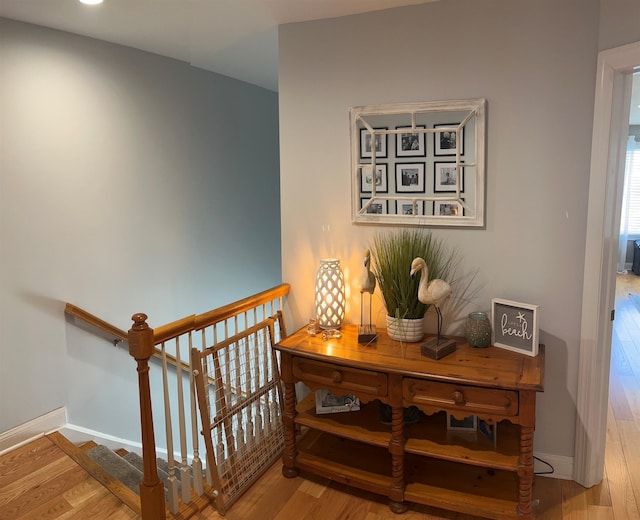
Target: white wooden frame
[[474, 207]]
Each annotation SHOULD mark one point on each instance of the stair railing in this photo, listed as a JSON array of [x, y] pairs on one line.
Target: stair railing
[[172, 345], [202, 332]]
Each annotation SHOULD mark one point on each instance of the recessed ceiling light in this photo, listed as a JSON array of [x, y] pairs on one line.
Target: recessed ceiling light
[[91, 2]]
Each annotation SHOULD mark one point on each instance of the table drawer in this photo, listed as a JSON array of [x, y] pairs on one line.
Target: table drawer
[[452, 397], [337, 376]]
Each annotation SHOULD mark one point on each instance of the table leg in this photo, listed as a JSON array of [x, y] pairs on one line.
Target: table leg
[[396, 448], [290, 453], [525, 472]]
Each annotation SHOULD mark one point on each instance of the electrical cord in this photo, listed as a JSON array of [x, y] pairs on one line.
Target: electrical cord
[[544, 472]]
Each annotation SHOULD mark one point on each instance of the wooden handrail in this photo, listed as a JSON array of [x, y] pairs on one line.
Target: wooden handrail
[[173, 329], [94, 321], [164, 333], [232, 309], [186, 324]]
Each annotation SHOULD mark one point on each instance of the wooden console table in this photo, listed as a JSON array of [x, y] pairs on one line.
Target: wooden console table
[[422, 462]]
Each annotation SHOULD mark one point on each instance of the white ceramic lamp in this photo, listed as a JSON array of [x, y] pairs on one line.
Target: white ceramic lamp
[[330, 294]]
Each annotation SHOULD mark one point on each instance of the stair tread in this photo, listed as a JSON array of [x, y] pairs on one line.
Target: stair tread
[[163, 468], [117, 466], [127, 496], [86, 446], [113, 482]]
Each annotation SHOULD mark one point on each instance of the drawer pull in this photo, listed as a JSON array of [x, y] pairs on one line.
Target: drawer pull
[[458, 398], [336, 376]]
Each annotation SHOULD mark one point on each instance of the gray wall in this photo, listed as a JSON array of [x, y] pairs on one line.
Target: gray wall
[[129, 183], [535, 63], [618, 23]]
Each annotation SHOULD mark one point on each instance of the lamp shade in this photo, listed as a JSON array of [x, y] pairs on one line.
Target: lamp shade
[[330, 294]]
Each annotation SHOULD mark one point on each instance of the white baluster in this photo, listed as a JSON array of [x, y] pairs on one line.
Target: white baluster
[[240, 439], [251, 438], [275, 409], [258, 423], [185, 479], [172, 486]]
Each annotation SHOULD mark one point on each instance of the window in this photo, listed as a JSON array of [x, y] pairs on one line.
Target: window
[[630, 222]]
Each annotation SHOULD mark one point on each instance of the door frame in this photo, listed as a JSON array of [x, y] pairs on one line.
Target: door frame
[[598, 296]]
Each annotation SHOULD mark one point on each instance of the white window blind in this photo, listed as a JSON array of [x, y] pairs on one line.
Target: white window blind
[[631, 197]]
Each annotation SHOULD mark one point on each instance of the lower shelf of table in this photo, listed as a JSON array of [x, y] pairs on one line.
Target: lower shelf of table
[[429, 436], [438, 483]]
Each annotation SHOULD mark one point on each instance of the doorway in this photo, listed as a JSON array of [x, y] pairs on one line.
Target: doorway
[[603, 223], [630, 203]]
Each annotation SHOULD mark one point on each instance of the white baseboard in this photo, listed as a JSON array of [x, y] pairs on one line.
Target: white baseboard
[[79, 435], [56, 421], [31, 430], [562, 466]]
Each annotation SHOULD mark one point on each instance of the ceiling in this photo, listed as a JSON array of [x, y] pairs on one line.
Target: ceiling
[[237, 38]]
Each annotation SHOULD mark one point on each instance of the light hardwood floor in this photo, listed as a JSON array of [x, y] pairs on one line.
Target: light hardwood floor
[[39, 482]]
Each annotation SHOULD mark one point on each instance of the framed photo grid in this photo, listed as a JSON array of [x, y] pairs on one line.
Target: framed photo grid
[[424, 178], [434, 154]]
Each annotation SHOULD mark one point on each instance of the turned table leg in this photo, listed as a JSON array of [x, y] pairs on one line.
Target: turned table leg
[[525, 472], [290, 453], [396, 448]]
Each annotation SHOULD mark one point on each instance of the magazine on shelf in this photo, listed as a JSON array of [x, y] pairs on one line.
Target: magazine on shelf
[[326, 402]]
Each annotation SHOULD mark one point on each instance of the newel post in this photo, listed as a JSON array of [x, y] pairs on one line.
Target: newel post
[[141, 347]]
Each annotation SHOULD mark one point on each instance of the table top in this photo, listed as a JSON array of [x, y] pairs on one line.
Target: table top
[[493, 367]]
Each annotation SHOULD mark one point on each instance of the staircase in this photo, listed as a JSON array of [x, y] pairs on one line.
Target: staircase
[[125, 466], [220, 385], [121, 473]]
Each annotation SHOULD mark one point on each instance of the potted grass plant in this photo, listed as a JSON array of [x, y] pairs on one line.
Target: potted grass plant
[[392, 254]]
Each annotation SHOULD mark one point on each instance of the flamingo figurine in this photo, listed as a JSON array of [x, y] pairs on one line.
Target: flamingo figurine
[[367, 285], [434, 292]]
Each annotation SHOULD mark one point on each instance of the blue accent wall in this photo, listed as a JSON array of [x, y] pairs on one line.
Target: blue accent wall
[[129, 182]]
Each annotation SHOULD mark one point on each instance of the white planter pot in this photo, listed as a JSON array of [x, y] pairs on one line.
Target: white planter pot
[[408, 330]]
